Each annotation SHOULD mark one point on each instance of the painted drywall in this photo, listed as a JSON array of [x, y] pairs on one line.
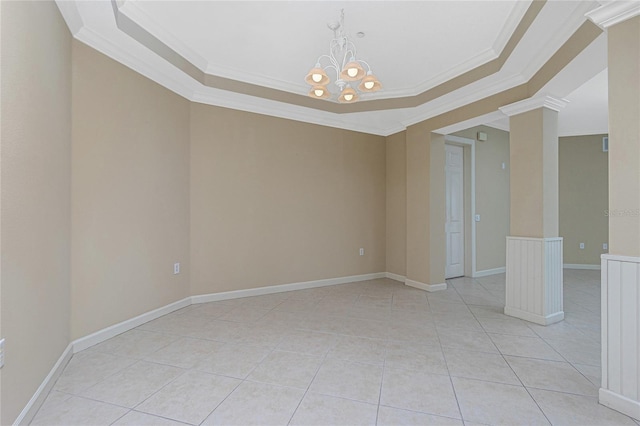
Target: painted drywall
[[425, 253], [492, 196], [275, 201], [624, 133], [437, 210], [584, 198], [396, 232], [533, 152], [35, 152], [130, 207]]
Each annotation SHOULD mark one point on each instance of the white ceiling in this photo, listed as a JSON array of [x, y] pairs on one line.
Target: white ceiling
[[412, 46]]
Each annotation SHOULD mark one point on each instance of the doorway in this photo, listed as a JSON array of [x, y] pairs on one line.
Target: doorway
[[454, 219]]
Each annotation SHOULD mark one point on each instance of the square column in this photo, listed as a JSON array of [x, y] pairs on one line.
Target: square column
[[620, 285], [425, 209], [534, 249]]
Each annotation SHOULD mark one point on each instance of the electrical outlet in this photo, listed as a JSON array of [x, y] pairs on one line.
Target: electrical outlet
[[361, 252], [477, 218], [2, 352], [176, 268], [581, 246], [605, 246]]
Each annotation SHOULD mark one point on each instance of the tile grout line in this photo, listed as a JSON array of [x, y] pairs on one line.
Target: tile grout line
[[516, 375], [309, 386]]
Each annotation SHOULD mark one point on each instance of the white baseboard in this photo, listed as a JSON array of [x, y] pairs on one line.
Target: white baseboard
[[619, 403], [426, 287], [32, 407], [395, 277], [580, 266], [487, 272], [100, 336], [259, 291], [112, 331], [531, 317]]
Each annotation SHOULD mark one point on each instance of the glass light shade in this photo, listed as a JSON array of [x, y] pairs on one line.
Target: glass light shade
[[348, 95], [353, 71], [319, 92], [317, 77], [369, 84]]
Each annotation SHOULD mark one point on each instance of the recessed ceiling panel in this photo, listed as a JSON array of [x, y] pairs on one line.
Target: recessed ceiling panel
[[410, 45]]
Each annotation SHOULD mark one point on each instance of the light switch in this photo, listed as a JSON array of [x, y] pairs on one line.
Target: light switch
[[477, 218]]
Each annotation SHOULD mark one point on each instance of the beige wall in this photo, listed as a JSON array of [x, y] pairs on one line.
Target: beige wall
[[533, 152], [276, 201], [130, 209], [583, 198], [417, 234], [396, 157], [35, 152], [437, 210], [492, 196], [425, 253], [624, 133]]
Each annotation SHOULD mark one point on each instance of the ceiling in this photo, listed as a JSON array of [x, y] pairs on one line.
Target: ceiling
[[431, 56]]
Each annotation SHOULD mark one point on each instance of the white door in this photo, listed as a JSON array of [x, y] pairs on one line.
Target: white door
[[454, 225]]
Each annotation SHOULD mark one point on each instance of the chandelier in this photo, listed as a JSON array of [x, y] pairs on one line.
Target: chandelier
[[348, 70]]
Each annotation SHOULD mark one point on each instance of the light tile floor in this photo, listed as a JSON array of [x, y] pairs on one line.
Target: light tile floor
[[374, 352]]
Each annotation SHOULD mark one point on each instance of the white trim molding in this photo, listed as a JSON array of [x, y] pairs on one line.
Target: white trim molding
[[38, 398], [534, 279], [472, 144], [395, 277], [488, 272], [112, 331], [543, 101], [426, 287], [34, 404], [259, 291], [581, 266], [620, 291], [613, 12]]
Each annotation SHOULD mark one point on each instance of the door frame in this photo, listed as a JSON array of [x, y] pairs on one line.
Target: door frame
[[469, 211]]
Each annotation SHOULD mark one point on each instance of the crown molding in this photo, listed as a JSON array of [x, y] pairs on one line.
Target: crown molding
[[459, 101], [71, 15], [131, 10], [287, 111], [117, 53], [614, 12], [543, 101], [561, 36], [514, 19], [469, 65], [480, 120], [489, 54]]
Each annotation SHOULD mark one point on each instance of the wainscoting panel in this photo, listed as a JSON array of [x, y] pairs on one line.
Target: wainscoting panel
[[621, 334], [534, 279]]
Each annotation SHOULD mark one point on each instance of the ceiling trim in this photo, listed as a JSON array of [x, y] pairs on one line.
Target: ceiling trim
[[526, 105], [134, 29], [134, 12], [142, 19], [508, 88], [614, 12]]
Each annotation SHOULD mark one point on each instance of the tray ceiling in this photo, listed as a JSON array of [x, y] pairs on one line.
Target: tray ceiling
[[431, 56]]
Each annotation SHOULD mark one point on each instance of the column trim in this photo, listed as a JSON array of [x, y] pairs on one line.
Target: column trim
[[543, 101], [534, 279], [613, 13], [426, 287]]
